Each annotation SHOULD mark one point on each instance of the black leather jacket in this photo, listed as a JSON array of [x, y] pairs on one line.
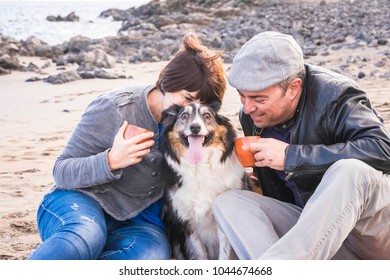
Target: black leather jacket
[[334, 120]]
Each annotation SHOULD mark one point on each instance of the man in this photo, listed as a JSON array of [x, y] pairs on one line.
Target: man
[[323, 161]]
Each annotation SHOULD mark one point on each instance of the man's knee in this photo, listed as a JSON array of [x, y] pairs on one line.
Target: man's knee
[[224, 198], [351, 165], [351, 169], [230, 199]]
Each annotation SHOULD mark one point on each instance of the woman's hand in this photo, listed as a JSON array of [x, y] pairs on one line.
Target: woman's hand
[[126, 152], [269, 152]]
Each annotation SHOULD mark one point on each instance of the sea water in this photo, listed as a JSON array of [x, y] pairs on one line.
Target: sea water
[[22, 19]]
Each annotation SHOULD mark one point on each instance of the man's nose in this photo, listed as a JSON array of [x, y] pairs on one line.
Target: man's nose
[[248, 107]]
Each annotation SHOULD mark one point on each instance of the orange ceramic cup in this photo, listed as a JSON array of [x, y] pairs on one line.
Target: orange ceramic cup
[[244, 154], [133, 130]]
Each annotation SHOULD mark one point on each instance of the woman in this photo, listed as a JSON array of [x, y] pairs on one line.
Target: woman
[[106, 202]]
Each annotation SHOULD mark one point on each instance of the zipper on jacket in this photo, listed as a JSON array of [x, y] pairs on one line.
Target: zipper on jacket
[[288, 175]]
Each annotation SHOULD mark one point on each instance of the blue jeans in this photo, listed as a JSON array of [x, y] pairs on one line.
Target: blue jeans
[[73, 226]]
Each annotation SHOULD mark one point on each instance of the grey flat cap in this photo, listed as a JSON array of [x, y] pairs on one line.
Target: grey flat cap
[[265, 60]]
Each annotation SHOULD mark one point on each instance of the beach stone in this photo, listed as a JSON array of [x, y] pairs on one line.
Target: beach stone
[[34, 79], [381, 63], [4, 71], [162, 20], [31, 67], [386, 75], [373, 44], [64, 77], [87, 75], [98, 58], [33, 46], [115, 14], [46, 65], [103, 74], [66, 59], [382, 41], [12, 48], [10, 62], [70, 17], [78, 43]]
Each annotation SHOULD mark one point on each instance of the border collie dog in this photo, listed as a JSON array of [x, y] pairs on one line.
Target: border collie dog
[[200, 164]]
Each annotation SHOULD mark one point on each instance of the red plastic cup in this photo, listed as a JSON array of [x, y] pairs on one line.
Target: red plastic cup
[[244, 154], [133, 130]]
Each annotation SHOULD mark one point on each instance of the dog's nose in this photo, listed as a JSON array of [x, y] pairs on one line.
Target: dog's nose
[[195, 128]]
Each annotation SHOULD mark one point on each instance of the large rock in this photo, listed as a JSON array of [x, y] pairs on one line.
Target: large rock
[[33, 46], [97, 57], [8, 62], [70, 17], [78, 43], [115, 14], [64, 77]]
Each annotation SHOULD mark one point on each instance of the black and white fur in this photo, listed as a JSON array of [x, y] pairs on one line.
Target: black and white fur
[[191, 188]]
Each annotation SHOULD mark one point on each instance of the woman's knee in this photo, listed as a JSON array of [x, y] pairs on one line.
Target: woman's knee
[[149, 245], [137, 242], [157, 249], [88, 233], [74, 220]]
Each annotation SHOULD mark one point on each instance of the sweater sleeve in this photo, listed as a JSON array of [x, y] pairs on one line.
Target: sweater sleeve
[[83, 162]]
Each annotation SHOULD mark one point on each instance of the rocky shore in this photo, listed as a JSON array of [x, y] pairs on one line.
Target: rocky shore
[[151, 33]]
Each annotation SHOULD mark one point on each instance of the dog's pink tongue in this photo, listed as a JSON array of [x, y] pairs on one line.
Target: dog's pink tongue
[[195, 152]]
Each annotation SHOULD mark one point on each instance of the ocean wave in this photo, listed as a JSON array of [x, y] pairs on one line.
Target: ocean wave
[[22, 19]]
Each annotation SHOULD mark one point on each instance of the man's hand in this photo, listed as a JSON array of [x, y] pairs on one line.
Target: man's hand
[[269, 152]]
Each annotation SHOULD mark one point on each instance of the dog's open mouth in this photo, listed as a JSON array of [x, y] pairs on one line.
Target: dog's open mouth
[[195, 144], [203, 139]]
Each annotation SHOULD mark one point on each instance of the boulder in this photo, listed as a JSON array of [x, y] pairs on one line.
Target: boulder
[[63, 77], [70, 17]]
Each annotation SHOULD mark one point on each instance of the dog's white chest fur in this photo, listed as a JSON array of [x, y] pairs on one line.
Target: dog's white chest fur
[[200, 185]]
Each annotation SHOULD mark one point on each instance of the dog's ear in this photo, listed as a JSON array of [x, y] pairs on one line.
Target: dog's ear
[[222, 120], [169, 115], [215, 105], [171, 112]]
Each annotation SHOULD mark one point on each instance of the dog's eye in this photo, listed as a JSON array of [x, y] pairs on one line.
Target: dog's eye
[[184, 116], [207, 116]]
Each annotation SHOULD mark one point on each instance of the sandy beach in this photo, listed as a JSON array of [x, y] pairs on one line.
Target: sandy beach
[[37, 118]]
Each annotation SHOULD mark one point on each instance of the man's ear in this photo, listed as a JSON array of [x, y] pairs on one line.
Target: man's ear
[[295, 87]]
